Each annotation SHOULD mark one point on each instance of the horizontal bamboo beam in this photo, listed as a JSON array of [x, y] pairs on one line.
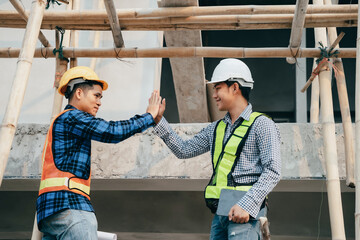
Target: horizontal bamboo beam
[[203, 26], [260, 18], [173, 52], [190, 11]]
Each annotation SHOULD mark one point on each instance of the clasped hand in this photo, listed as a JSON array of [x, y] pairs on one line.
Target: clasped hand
[[156, 106]]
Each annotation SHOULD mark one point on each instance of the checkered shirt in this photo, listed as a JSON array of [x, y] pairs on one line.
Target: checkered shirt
[[259, 162], [72, 135]]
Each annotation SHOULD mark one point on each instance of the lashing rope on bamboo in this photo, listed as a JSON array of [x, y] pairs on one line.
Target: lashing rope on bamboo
[[60, 50], [325, 55], [55, 1]]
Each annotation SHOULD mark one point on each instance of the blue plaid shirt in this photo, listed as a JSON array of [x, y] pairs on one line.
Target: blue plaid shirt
[[259, 162], [72, 135]]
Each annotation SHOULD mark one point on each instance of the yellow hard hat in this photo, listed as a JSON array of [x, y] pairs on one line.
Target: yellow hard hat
[[79, 72]]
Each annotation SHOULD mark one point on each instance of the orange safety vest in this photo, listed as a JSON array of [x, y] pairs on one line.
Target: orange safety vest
[[53, 179]]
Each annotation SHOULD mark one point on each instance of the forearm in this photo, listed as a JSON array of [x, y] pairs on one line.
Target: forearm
[[254, 198], [181, 148], [116, 131]]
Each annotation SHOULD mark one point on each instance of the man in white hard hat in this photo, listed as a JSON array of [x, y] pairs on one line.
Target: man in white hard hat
[[245, 151], [64, 210]]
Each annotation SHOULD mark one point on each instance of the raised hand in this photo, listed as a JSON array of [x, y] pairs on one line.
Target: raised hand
[[154, 104], [161, 111]]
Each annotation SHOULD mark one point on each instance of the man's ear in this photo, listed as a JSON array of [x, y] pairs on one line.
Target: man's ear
[[78, 93], [236, 87]]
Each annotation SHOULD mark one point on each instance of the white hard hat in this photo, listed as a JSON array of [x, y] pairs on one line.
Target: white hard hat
[[233, 70]]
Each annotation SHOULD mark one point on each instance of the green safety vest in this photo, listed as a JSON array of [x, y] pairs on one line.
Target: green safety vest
[[224, 157]]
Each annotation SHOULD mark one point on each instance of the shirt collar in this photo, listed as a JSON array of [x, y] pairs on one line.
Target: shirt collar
[[69, 107], [244, 115]]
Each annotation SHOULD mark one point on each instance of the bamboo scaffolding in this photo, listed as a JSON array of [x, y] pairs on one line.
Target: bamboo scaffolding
[[175, 27], [282, 21], [357, 137], [315, 96], [8, 127], [297, 26], [330, 151], [189, 11], [114, 23], [96, 42], [25, 16], [216, 19], [345, 110], [61, 67], [211, 52], [323, 62], [74, 34]]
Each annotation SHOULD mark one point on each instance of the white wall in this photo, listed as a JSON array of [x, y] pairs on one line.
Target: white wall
[[130, 80]]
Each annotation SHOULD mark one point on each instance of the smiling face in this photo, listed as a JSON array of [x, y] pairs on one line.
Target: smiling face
[[224, 96], [89, 100]]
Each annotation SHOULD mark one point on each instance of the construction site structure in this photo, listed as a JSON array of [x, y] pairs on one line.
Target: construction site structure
[[309, 151]]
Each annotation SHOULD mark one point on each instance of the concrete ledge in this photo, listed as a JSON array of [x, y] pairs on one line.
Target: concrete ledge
[[161, 236], [146, 156], [309, 185]]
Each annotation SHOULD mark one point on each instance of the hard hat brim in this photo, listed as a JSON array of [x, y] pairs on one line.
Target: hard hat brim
[[104, 83]]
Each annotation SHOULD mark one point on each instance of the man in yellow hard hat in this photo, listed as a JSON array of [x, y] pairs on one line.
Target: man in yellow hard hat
[[245, 151], [63, 206]]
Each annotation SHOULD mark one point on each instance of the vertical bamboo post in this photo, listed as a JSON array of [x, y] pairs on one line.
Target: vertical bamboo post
[[315, 95], [345, 111], [61, 67], [18, 88], [97, 35], [357, 135], [328, 130], [23, 14], [74, 34]]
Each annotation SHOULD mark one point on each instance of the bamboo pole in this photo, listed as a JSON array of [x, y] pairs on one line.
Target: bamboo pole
[[191, 11], [96, 42], [211, 52], [323, 62], [114, 23], [345, 110], [36, 234], [188, 26], [212, 19], [22, 13], [315, 88], [61, 67], [18, 88], [357, 136], [297, 26], [330, 151], [315, 96], [74, 34]]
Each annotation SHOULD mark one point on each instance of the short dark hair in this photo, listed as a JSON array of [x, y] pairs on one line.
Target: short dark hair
[[245, 91], [88, 84]]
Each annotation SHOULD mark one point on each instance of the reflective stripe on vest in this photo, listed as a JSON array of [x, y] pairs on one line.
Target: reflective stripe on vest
[[53, 179], [224, 156]]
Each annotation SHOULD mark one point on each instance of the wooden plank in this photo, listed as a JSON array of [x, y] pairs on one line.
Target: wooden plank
[[297, 26], [114, 23], [188, 74]]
